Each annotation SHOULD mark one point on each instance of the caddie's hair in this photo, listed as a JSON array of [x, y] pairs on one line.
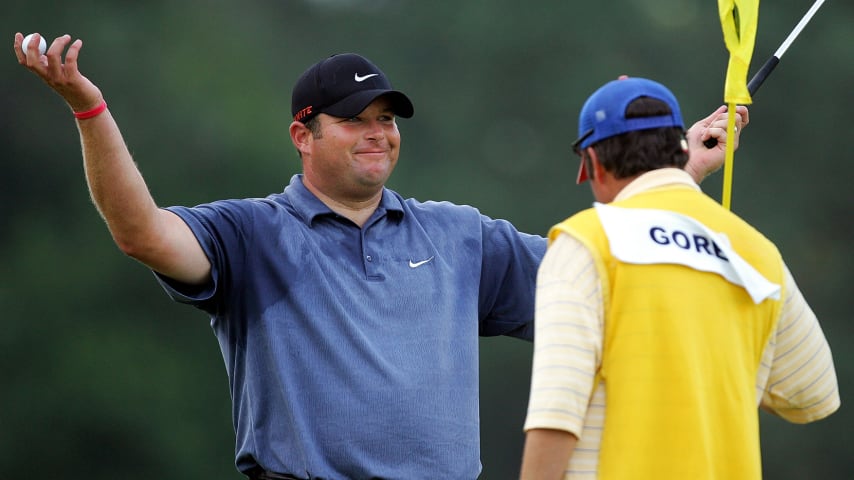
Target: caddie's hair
[[640, 151]]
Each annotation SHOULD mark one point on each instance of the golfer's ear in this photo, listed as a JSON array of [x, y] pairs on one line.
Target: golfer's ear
[[301, 136]]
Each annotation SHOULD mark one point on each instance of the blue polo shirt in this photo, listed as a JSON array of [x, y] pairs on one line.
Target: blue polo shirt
[[353, 352]]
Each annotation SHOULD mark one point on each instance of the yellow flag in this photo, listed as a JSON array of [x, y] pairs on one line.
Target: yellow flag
[[738, 21]]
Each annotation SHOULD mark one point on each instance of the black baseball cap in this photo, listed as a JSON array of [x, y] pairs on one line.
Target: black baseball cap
[[342, 85]]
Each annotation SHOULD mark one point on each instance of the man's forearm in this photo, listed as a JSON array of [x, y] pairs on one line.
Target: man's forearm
[[115, 184], [547, 454]]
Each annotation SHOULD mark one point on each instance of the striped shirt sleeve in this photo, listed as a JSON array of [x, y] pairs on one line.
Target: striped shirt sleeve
[[567, 339], [797, 379]]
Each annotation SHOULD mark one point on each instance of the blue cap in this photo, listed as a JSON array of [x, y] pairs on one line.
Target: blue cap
[[604, 113]]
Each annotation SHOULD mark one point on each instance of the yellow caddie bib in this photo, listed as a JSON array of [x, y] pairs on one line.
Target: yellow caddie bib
[[691, 297]]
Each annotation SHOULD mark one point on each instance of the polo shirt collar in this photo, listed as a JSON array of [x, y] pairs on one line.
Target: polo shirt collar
[[660, 177], [309, 207]]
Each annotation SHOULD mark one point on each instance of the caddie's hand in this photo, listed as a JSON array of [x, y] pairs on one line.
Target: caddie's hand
[[62, 76], [702, 160]]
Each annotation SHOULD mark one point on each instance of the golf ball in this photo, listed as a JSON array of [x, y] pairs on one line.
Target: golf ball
[[42, 44]]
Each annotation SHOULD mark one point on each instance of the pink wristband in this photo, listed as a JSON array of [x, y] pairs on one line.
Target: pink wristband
[[91, 113]]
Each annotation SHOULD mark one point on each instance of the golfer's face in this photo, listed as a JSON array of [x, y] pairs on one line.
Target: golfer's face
[[356, 154]]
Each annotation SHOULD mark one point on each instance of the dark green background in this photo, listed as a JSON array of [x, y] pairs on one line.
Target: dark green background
[[104, 377]]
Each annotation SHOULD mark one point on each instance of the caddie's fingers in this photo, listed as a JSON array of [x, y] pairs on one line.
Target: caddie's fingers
[[744, 114], [707, 122], [742, 118], [722, 123], [718, 133]]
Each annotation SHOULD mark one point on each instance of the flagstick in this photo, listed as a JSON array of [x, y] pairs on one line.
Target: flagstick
[[730, 151], [752, 87], [772, 62]]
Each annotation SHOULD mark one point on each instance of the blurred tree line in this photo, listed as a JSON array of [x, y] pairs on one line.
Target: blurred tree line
[[107, 378]]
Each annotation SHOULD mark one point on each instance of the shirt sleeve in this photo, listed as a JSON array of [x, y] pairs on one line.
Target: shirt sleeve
[[568, 337], [507, 279], [220, 228], [797, 379]]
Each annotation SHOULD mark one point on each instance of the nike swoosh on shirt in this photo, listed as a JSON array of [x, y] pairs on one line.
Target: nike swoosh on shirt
[[359, 78], [418, 264]]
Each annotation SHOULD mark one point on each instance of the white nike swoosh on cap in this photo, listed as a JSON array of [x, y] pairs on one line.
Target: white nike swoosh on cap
[[418, 264], [358, 78]]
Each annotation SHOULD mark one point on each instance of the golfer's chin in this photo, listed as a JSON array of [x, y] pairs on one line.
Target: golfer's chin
[[376, 176], [368, 187]]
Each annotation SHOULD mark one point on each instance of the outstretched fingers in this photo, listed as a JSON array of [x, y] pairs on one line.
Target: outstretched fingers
[[58, 68], [55, 69], [31, 55], [71, 55], [16, 45]]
